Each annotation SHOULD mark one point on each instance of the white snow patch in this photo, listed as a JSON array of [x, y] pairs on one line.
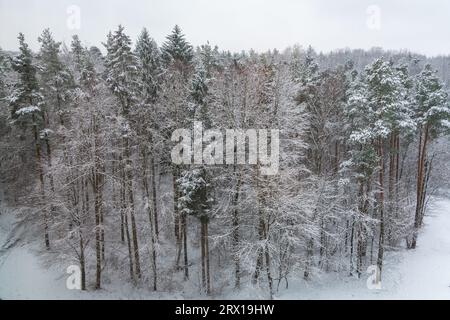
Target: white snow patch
[[27, 110], [423, 273]]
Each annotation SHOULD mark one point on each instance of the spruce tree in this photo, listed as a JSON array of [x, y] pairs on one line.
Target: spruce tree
[[148, 130], [121, 77], [121, 68], [149, 66], [56, 79], [77, 52], [176, 49]]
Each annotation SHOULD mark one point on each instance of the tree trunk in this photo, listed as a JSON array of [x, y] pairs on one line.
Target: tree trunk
[[97, 208], [151, 224], [184, 232], [381, 208], [203, 253], [269, 275], [204, 246], [129, 187], [235, 233], [82, 262], [130, 249], [41, 180], [50, 175], [154, 202], [423, 140], [97, 184], [261, 227], [309, 254], [352, 233], [208, 275], [177, 219]]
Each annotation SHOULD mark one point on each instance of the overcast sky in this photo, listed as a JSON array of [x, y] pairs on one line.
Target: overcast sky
[[422, 26]]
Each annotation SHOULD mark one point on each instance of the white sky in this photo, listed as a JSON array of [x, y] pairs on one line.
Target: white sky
[[422, 26]]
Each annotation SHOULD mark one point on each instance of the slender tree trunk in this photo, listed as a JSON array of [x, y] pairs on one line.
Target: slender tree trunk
[[203, 253], [381, 208], [235, 233], [261, 227], [269, 275], [336, 158], [260, 255], [322, 242], [102, 234], [154, 200], [50, 175], [41, 180], [208, 275], [84, 196], [97, 208], [97, 184], [129, 186], [393, 162], [130, 249], [204, 246], [122, 198], [151, 225], [309, 254], [428, 165], [82, 262], [352, 233], [360, 233], [177, 218]]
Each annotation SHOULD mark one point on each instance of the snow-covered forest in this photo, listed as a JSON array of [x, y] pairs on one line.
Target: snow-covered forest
[[86, 170]]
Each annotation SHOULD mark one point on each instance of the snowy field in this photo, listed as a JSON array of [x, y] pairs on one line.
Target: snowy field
[[420, 274]]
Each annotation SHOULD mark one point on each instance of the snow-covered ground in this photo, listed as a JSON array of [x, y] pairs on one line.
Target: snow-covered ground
[[423, 273]]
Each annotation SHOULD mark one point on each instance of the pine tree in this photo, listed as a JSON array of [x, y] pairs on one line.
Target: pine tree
[[363, 161], [379, 108], [56, 83]]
